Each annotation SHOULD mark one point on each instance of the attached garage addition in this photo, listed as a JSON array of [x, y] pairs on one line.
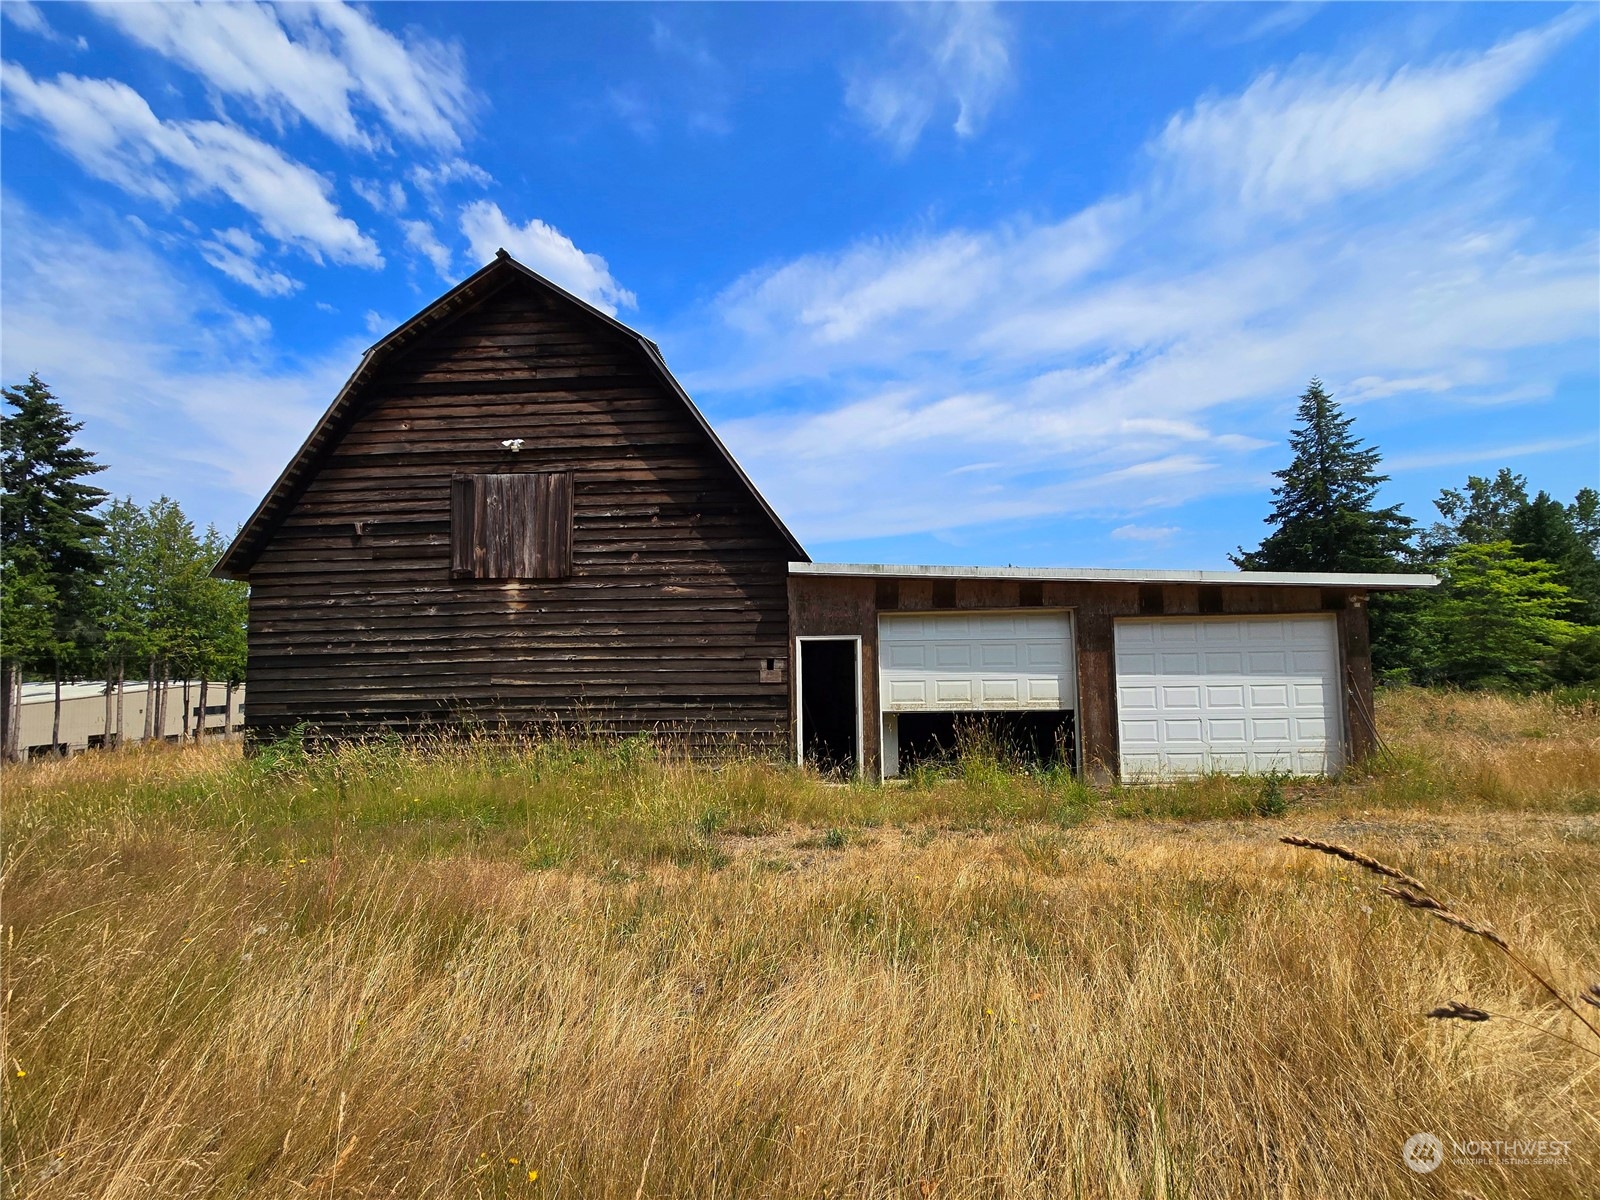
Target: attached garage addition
[[1122, 674]]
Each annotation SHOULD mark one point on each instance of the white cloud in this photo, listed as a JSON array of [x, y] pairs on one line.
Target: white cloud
[[421, 238], [431, 180], [946, 55], [1124, 359], [319, 62], [1497, 454], [110, 130], [546, 250], [139, 349], [27, 16], [235, 253], [1309, 135], [1146, 533], [391, 199]]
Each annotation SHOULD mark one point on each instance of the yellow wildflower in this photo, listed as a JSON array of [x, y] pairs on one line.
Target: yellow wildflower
[[532, 1175]]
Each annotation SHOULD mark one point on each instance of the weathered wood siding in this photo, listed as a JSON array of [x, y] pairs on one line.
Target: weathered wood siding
[[677, 595], [823, 604]]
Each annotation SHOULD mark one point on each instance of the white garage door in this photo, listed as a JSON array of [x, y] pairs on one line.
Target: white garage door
[[1251, 694], [975, 662]]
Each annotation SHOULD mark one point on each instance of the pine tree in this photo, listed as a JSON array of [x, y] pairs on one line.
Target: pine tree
[[1323, 515], [1544, 530], [1479, 513], [124, 603], [48, 529], [1499, 619]]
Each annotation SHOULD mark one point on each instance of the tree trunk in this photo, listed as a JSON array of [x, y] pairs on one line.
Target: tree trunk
[[10, 710], [105, 729], [150, 701], [186, 709], [122, 690], [200, 718], [227, 711], [55, 723], [161, 701]]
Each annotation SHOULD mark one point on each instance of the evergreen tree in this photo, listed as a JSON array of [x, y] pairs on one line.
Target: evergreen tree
[[1325, 520], [1323, 515], [1479, 513], [1543, 530], [48, 529], [1585, 513], [27, 617], [1499, 619], [125, 601]]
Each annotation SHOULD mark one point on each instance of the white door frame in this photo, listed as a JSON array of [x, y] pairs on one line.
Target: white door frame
[[800, 696]]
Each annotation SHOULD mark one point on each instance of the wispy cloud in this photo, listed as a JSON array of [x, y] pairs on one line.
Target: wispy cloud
[[28, 17], [1497, 454], [1121, 359], [238, 255], [421, 238], [1146, 533], [1307, 136], [113, 134], [944, 57], [327, 64], [548, 251], [387, 198], [168, 353]]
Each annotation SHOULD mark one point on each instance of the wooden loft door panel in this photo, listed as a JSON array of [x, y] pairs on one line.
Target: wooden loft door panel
[[511, 526]]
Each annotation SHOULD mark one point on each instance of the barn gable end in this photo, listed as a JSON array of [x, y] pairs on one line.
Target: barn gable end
[[673, 615]]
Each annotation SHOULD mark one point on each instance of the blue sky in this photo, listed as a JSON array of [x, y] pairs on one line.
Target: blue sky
[[1029, 284]]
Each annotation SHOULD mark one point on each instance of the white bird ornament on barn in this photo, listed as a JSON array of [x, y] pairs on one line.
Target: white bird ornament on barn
[[512, 444]]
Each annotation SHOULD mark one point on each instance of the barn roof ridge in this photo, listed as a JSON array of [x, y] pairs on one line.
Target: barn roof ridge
[[247, 544]]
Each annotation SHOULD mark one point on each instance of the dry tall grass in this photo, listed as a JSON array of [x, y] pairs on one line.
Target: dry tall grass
[[636, 978]]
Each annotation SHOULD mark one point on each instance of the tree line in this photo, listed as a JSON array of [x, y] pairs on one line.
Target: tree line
[[1519, 605], [96, 587]]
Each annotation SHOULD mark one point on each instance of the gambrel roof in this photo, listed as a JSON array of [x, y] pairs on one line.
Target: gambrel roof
[[503, 270]]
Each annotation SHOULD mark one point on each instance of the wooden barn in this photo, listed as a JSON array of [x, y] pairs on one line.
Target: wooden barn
[[513, 517]]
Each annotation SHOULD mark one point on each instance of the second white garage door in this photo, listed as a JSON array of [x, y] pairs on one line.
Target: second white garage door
[[975, 662], [1234, 695]]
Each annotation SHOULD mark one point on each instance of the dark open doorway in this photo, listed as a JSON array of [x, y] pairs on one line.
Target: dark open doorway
[[829, 716], [1023, 738]]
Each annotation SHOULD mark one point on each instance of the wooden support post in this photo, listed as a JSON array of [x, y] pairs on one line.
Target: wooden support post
[[1097, 695], [1355, 649]]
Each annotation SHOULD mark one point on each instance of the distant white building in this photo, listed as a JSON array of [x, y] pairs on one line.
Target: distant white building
[[83, 714]]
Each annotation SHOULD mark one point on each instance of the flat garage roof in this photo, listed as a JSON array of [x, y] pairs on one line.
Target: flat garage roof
[[1331, 579]]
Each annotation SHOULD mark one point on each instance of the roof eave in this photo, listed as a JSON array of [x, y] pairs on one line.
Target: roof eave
[[1354, 581]]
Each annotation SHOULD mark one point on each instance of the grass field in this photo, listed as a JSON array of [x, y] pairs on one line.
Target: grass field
[[587, 971]]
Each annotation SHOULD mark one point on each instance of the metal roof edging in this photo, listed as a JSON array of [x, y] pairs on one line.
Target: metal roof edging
[[1377, 581]]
